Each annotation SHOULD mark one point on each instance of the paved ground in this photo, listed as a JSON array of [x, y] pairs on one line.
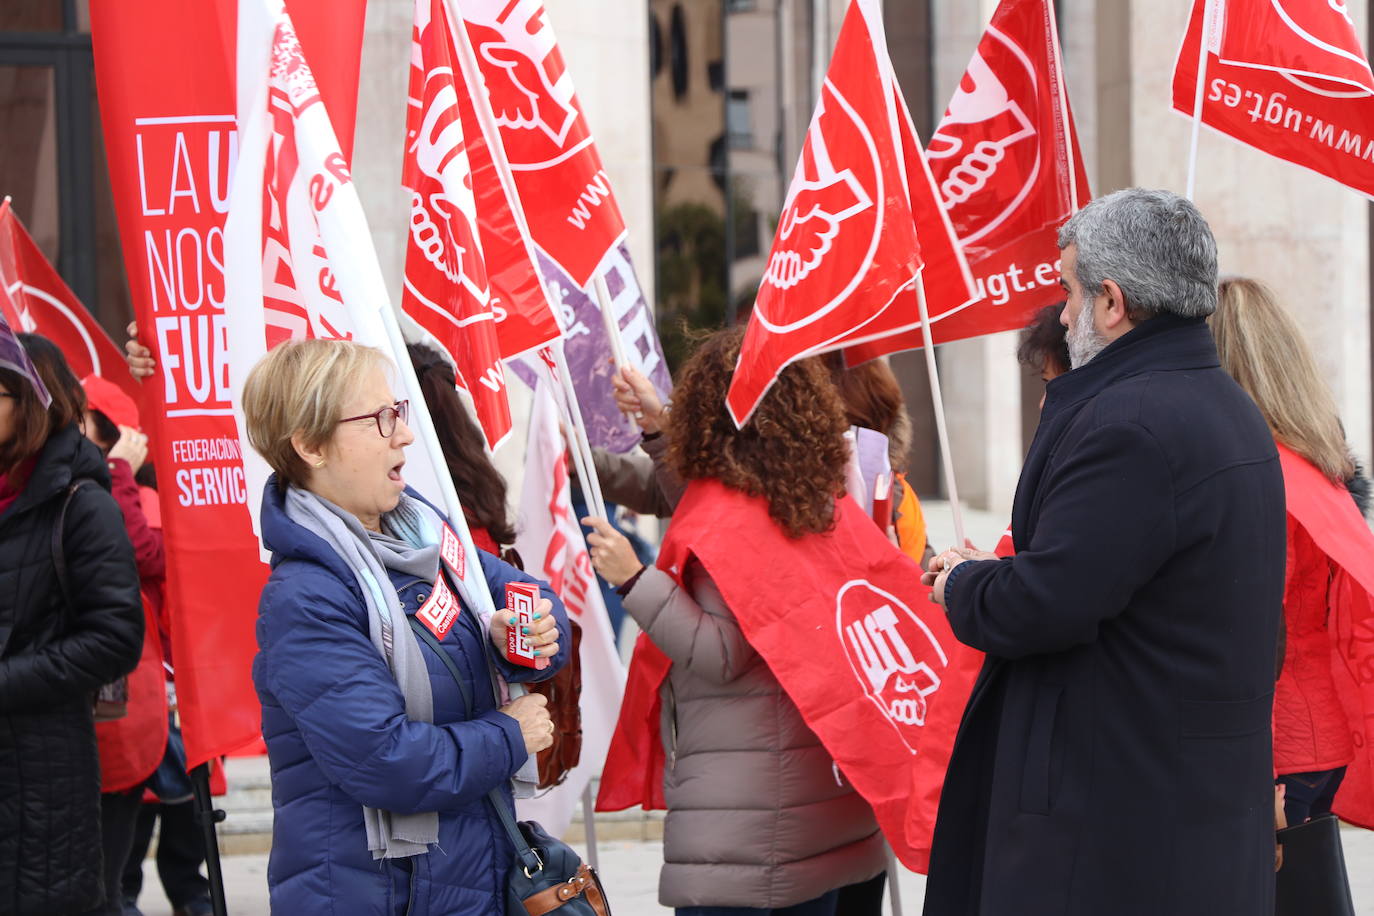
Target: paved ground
[[630, 873]]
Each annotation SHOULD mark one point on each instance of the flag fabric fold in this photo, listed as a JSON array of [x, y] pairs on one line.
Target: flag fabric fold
[[1288, 79], [446, 289], [1009, 171], [859, 224]]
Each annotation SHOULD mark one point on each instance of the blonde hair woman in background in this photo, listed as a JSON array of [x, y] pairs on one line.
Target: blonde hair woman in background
[[1264, 350]]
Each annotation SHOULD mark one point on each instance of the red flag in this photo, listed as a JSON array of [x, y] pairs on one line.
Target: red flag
[[1009, 170], [1291, 95], [166, 76], [1303, 38], [882, 680], [446, 287], [525, 320], [1329, 515], [845, 260], [562, 185], [39, 302]]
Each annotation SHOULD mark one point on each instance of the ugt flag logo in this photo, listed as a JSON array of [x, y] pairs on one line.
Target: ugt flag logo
[[846, 246], [562, 185], [1288, 78]]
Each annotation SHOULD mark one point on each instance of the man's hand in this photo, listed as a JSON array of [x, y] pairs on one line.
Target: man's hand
[[543, 630], [636, 397], [139, 357], [944, 562]]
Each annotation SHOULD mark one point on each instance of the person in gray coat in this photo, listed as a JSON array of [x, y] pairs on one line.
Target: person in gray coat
[[760, 820]]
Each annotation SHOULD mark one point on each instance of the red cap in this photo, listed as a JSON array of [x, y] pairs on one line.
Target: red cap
[[105, 396]]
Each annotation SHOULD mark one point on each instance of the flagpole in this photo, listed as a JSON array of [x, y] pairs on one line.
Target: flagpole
[[612, 323], [941, 429], [1208, 13]]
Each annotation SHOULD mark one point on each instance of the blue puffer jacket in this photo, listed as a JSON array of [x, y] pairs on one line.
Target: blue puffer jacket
[[338, 738]]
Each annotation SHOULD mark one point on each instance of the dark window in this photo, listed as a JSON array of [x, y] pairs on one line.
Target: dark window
[[52, 159]]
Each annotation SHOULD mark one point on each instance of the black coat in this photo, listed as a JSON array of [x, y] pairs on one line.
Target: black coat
[[1115, 756], [51, 663]]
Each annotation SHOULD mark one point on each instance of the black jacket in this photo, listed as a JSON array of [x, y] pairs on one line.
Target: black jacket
[[51, 663], [1115, 756]]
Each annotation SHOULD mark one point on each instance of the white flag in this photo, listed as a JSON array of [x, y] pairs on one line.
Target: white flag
[[550, 542], [299, 261]]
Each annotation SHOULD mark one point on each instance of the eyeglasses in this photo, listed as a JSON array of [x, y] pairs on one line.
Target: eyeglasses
[[386, 418]]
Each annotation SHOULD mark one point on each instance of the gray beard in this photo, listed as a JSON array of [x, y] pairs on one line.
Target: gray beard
[[1083, 338]]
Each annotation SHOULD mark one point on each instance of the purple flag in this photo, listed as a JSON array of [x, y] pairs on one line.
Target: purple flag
[[14, 357], [589, 351]]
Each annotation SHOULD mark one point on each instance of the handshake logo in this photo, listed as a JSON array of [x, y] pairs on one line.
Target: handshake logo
[[893, 654], [984, 154]]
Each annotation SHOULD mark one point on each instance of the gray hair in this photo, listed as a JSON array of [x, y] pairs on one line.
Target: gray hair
[[1154, 244]]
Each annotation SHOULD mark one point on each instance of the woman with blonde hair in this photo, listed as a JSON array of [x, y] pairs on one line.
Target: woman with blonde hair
[[382, 758], [1264, 350]]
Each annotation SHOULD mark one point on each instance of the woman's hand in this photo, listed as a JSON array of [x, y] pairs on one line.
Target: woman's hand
[[636, 397], [532, 713], [612, 555], [139, 357], [132, 446], [543, 630]]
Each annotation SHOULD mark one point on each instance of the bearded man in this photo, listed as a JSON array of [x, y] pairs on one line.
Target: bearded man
[[1115, 755]]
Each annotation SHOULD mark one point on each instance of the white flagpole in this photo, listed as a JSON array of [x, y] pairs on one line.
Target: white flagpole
[[1208, 14], [941, 430]]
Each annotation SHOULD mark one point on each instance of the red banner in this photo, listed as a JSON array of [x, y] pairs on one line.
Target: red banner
[[846, 246], [1009, 170], [524, 318], [881, 680], [562, 185], [1309, 116], [165, 73], [1302, 38], [39, 302], [446, 287]]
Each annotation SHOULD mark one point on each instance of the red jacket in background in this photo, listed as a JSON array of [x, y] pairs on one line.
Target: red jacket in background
[[1310, 728], [132, 747]]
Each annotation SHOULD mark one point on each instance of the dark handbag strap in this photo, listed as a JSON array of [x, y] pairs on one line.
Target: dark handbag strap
[[529, 859], [59, 554]]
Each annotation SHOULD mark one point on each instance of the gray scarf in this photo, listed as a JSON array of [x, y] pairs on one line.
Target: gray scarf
[[409, 545]]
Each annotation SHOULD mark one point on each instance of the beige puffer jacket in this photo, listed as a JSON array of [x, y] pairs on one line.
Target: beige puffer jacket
[[758, 815]]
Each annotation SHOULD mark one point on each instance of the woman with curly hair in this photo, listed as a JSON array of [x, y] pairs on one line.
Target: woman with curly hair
[[758, 822]]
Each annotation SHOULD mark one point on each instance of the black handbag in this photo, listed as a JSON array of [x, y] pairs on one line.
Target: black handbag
[[1313, 879], [548, 876], [111, 700]]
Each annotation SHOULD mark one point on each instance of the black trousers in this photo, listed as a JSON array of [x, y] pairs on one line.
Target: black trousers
[[180, 854], [118, 814]]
